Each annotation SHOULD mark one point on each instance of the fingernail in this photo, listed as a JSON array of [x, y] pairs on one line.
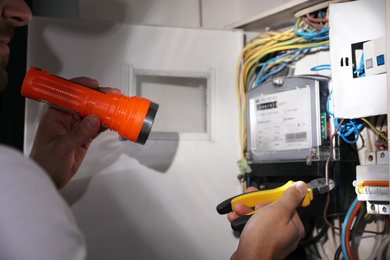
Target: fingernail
[[301, 187], [92, 121]]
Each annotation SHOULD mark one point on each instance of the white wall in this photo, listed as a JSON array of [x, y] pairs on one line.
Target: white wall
[[151, 12], [181, 13], [127, 206]]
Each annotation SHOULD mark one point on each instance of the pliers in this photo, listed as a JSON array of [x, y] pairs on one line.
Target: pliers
[[251, 199]]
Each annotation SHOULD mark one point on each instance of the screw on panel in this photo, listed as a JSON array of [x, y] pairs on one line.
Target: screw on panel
[[383, 155], [370, 158], [373, 207], [384, 209], [278, 82]]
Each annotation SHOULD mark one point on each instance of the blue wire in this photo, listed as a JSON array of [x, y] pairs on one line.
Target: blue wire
[[320, 38], [322, 35], [271, 60], [321, 67], [320, 14], [327, 103], [260, 79], [311, 34], [348, 127], [347, 217], [360, 71], [273, 72], [353, 130]]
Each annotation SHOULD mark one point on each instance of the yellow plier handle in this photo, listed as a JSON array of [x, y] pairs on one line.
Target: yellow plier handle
[[251, 199]]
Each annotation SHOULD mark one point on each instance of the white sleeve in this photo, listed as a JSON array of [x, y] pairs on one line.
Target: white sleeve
[[35, 221]]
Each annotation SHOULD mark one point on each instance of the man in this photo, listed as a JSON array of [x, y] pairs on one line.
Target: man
[[36, 223]]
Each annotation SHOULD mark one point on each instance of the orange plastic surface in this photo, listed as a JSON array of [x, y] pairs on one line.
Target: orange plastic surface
[[118, 112]]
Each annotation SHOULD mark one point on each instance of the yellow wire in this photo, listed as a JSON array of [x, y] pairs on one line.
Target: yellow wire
[[263, 44], [376, 130], [246, 68]]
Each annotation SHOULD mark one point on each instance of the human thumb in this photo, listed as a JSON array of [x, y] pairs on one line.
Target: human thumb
[[293, 196], [84, 132]]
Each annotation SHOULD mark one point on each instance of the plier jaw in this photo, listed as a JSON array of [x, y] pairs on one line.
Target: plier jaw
[[251, 199], [319, 186]]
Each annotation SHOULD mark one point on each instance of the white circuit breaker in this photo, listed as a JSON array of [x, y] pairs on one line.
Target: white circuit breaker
[[374, 52], [372, 183]]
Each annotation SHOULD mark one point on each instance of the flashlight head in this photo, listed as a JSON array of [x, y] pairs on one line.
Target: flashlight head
[[147, 123]]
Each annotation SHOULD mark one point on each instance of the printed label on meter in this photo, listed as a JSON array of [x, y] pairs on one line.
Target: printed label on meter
[[283, 120]]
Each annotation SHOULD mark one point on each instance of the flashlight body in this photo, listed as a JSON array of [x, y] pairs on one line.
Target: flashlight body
[[131, 117]]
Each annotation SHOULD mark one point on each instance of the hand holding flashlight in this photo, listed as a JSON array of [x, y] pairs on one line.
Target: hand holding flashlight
[[131, 117], [63, 138]]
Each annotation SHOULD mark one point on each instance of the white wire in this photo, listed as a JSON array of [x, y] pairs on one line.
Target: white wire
[[313, 252], [378, 241], [382, 248], [319, 247], [331, 239], [337, 233], [388, 253]]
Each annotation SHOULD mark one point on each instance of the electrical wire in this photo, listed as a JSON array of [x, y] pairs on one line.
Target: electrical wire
[[331, 239], [374, 128], [382, 248], [320, 247], [329, 157], [351, 126], [378, 239], [316, 238], [321, 67], [316, 19], [270, 52], [360, 70], [328, 195], [327, 177], [338, 253], [345, 246], [353, 231]]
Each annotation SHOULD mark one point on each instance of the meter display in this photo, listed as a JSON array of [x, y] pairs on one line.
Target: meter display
[[282, 120]]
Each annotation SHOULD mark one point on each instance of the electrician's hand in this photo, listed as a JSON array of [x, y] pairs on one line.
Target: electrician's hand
[[63, 138], [272, 232]]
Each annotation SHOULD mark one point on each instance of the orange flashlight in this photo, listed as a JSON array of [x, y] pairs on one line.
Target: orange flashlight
[[131, 117]]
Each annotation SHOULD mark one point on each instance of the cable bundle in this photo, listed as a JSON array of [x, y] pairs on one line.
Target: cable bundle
[[270, 52]]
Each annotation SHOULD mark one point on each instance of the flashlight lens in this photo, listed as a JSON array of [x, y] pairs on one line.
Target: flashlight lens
[[147, 124]]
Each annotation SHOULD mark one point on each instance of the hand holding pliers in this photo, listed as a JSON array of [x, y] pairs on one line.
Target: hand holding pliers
[[251, 199]]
